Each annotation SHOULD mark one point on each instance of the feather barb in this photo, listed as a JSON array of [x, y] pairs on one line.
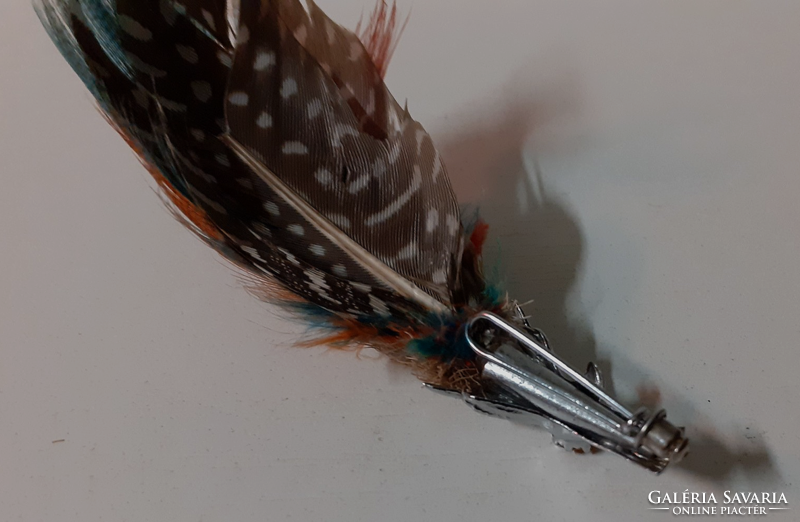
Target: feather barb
[[381, 35]]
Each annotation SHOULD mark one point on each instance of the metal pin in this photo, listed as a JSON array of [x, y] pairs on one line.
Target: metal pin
[[528, 384]]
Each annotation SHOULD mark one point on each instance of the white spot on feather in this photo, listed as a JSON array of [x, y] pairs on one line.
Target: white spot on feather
[[361, 287], [262, 229], [272, 208], [171, 105], [202, 90], [294, 147], [339, 131], [264, 121], [421, 135], [439, 277], [253, 253], [394, 120], [289, 88], [395, 206], [314, 108], [134, 28], [452, 225], [437, 166], [340, 221], [323, 176], [432, 220], [198, 134], [408, 252], [223, 160], [317, 278], [394, 153], [289, 256], [264, 60], [144, 67], [169, 13], [209, 19], [317, 250], [339, 270], [379, 168], [358, 184], [225, 59], [297, 230], [188, 53], [378, 306], [239, 99]]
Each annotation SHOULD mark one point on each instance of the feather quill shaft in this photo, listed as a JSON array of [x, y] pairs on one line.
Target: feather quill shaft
[[372, 264]]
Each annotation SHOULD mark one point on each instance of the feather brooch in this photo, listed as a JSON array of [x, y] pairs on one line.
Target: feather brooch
[[274, 139]]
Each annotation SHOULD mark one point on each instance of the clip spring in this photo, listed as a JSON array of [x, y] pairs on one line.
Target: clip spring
[[530, 385]]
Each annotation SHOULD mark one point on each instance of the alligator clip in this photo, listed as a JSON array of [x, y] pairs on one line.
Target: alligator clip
[[528, 384]]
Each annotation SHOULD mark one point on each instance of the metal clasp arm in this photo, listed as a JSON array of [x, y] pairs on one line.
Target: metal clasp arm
[[531, 382]]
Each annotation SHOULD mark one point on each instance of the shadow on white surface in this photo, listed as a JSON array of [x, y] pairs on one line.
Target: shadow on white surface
[[664, 240], [540, 247]]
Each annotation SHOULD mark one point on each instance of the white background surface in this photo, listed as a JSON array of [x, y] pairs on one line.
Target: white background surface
[[663, 241]]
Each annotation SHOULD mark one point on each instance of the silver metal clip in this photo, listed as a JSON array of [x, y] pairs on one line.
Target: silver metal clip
[[529, 385]]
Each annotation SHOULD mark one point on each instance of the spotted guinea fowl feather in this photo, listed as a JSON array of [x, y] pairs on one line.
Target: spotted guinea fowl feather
[[276, 140], [325, 124]]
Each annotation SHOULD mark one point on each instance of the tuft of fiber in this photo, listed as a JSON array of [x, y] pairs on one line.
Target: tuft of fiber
[[381, 35]]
